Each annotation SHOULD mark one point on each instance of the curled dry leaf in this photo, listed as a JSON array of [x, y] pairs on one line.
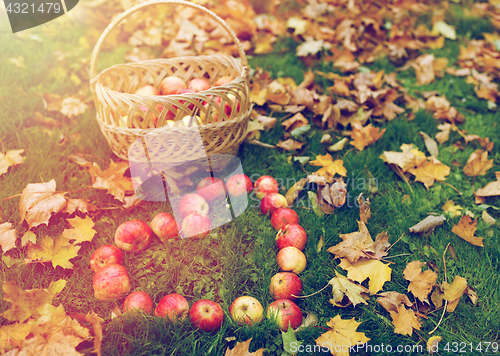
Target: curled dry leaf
[[466, 229], [428, 225], [293, 193], [430, 144], [421, 283], [433, 344], [11, 158], [346, 292], [8, 236], [364, 208], [39, 201], [490, 189], [310, 320], [112, 179], [295, 122]]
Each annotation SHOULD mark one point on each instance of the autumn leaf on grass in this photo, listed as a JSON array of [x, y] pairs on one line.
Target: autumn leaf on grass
[[295, 122], [407, 159], [242, 349], [466, 229], [346, 292], [258, 95], [329, 166], [444, 134], [293, 193], [478, 164], [404, 321], [290, 145], [277, 93], [82, 205], [82, 230], [490, 189], [451, 209], [364, 268], [7, 237], [71, 107], [424, 69], [355, 245], [364, 208], [27, 303], [342, 336], [428, 225], [112, 179], [11, 158], [58, 251], [390, 301], [453, 292], [364, 136], [39, 201], [421, 283], [430, 171]]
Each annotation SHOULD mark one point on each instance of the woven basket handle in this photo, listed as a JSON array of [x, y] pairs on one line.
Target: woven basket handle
[[133, 9]]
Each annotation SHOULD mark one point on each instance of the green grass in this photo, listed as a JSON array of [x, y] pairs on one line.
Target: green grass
[[239, 258]]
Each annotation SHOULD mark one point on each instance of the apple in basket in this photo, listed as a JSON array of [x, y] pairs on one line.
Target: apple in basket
[[172, 84], [283, 216], [165, 226], [111, 283], [133, 236], [148, 90], [211, 189], [138, 300], [105, 255], [206, 315], [195, 226], [285, 285], [172, 307], [285, 313], [193, 203], [223, 80], [199, 84]]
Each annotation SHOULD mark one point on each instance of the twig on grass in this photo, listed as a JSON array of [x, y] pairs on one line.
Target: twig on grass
[[445, 302], [395, 243], [310, 295]]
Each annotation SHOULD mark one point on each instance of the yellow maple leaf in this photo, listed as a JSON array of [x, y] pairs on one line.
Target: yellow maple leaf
[[82, 230], [8, 236], [342, 336], [39, 201], [407, 159], [404, 321], [13, 335], [478, 164], [58, 251], [451, 209], [421, 283], [112, 179], [11, 158], [26, 303], [453, 292], [378, 272], [466, 229], [343, 287], [364, 136], [258, 95], [330, 167], [430, 171], [242, 349]]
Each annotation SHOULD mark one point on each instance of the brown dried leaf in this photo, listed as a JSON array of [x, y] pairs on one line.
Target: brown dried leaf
[[346, 292], [39, 201], [490, 189], [421, 283], [8, 237], [112, 179], [428, 225], [52, 102], [364, 136], [404, 321], [355, 245], [364, 208], [11, 158], [72, 107], [478, 164], [294, 122], [424, 70], [82, 205], [290, 144], [390, 301], [453, 292], [294, 191]]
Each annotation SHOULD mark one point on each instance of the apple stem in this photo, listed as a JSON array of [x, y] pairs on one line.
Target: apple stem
[[310, 295]]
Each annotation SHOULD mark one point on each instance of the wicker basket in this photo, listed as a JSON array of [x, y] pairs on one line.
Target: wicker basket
[[124, 117]]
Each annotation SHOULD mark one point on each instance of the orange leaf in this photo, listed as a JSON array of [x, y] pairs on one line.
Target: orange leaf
[[364, 136], [290, 145], [342, 336], [478, 164], [466, 229], [404, 321], [421, 283]]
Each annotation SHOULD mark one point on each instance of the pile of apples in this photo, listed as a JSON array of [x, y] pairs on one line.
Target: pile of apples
[[174, 85], [111, 281]]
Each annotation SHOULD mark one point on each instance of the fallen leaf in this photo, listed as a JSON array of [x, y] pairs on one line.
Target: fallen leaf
[[490, 189], [39, 201], [293, 193], [338, 193], [376, 271], [390, 301], [430, 144], [345, 288], [421, 283], [466, 229], [355, 245], [294, 122], [342, 336], [430, 171], [58, 251], [310, 321], [487, 218], [444, 134], [364, 208], [364, 136], [478, 164], [404, 321], [320, 244], [8, 237], [52, 102], [82, 205], [428, 225], [29, 236], [329, 166], [298, 24], [433, 344], [242, 349], [424, 69], [72, 107], [339, 146], [311, 46], [290, 340], [18, 62], [267, 122], [112, 179], [453, 292], [290, 145], [314, 204], [451, 209], [82, 230], [258, 95], [442, 28], [11, 158]]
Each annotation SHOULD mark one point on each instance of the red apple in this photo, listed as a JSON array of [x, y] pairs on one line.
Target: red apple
[[224, 80], [285, 313], [105, 255], [291, 235], [246, 310], [291, 259], [283, 216], [133, 236], [111, 283], [228, 105], [285, 285], [154, 118], [239, 184], [206, 315], [138, 300], [272, 202], [148, 90], [165, 226], [199, 84], [195, 226], [171, 84], [193, 203], [266, 185], [172, 307], [211, 189]]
